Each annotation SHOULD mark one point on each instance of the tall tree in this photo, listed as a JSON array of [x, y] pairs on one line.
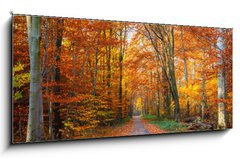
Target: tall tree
[[203, 87], [123, 32], [185, 69], [56, 71], [163, 36], [35, 130], [221, 85]]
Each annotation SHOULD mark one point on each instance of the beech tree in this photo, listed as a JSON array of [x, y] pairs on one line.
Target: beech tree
[[35, 117], [165, 35], [221, 83]]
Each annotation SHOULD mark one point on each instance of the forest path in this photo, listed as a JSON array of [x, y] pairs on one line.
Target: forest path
[[138, 128]]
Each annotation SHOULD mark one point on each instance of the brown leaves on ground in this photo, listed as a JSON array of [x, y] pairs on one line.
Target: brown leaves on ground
[[152, 129], [123, 130]]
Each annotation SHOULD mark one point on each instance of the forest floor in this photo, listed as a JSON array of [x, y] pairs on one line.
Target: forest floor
[[136, 126], [143, 127], [152, 128]]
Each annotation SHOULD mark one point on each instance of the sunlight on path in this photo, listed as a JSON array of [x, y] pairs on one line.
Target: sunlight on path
[[138, 128]]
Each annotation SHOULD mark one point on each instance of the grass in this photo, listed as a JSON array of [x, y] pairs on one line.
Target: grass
[[165, 124], [149, 117], [127, 119], [123, 121]]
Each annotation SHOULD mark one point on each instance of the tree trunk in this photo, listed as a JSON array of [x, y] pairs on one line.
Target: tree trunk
[[185, 71], [35, 130], [158, 92], [225, 76], [108, 51], [50, 128], [173, 78], [56, 105], [203, 85], [95, 73], [221, 85], [49, 105], [121, 54]]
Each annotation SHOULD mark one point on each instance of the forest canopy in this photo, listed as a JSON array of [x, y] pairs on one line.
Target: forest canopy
[[80, 78]]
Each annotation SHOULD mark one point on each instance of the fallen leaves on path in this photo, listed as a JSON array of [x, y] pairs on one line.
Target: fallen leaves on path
[[152, 129], [123, 130]]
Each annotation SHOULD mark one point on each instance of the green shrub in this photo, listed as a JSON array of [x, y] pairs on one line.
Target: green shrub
[[164, 124], [149, 117], [169, 125], [127, 119]]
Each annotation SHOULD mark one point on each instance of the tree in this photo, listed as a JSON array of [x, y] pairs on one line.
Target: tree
[[56, 78], [123, 32], [185, 69], [35, 130], [221, 85], [164, 36]]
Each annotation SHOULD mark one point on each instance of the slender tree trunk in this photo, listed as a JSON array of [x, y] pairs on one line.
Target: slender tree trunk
[[50, 129], [46, 62], [203, 85], [20, 126], [108, 51], [56, 105], [121, 52], [35, 129], [147, 104], [95, 72], [225, 76], [158, 92], [185, 71], [73, 88], [221, 85], [173, 78], [166, 95], [126, 101]]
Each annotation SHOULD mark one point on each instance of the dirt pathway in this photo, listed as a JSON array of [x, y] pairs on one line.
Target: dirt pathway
[[138, 128]]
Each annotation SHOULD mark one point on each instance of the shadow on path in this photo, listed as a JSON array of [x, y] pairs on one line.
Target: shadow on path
[[138, 128]]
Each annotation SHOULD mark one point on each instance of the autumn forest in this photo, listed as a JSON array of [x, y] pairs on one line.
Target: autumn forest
[[79, 78]]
